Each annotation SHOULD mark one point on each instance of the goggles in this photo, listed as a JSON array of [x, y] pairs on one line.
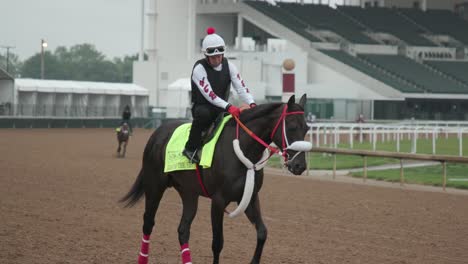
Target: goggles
[[214, 50]]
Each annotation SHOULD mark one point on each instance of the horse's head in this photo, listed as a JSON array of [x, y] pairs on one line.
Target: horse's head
[[289, 134]]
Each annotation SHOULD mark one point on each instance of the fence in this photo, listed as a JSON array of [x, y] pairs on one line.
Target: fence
[[440, 158], [335, 133], [60, 110], [324, 133]]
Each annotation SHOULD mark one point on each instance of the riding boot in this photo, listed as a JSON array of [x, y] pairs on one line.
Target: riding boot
[[193, 144]]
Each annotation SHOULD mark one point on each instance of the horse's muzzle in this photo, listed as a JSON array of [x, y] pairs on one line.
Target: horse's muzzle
[[296, 168]]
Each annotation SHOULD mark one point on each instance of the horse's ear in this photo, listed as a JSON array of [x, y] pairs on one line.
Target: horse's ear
[[303, 100], [292, 101]]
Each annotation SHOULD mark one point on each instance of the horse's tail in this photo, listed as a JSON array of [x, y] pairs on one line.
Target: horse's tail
[[135, 193], [138, 190]]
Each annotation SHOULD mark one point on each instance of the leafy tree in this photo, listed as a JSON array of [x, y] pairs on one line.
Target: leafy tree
[[14, 63], [82, 63], [32, 66]]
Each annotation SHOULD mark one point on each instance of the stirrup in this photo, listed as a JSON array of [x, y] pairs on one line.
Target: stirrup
[[192, 156]]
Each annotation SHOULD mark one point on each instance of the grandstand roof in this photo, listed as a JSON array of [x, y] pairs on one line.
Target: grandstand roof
[[56, 86]]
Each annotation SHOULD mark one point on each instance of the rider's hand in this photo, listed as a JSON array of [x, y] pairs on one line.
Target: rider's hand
[[233, 110], [252, 105]]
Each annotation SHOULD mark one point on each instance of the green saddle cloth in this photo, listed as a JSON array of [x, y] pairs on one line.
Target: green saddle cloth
[[176, 161]]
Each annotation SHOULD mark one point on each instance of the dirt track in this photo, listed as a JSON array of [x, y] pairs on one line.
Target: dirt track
[[58, 193]]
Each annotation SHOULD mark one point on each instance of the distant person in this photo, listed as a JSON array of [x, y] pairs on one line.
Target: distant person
[[126, 115], [360, 120]]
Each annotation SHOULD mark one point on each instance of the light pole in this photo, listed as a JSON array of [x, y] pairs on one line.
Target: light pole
[[7, 55], [43, 46]]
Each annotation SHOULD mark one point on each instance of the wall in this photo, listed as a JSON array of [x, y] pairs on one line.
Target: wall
[[145, 74], [374, 49], [431, 4], [172, 29], [6, 91]]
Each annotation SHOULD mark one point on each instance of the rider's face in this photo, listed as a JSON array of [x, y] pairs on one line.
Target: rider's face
[[215, 60]]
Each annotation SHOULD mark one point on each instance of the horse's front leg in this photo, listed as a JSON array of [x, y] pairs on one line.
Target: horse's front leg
[[190, 206], [255, 216], [124, 148], [118, 148], [217, 217]]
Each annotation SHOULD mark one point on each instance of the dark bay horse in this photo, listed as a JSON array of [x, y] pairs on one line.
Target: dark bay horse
[[224, 182], [123, 134]]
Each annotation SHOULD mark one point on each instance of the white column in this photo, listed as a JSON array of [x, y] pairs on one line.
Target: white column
[[424, 5], [151, 29], [240, 30], [190, 29], [142, 32]]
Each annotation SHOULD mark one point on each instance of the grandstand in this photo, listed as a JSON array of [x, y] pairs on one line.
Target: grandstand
[[391, 59], [386, 59]]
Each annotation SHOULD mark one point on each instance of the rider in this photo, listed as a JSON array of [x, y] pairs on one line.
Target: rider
[[211, 80], [126, 114]]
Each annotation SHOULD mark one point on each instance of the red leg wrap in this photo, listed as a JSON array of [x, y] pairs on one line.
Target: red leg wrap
[[185, 253], [143, 256]]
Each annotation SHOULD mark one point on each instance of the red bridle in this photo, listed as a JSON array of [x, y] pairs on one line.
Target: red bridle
[[282, 121]]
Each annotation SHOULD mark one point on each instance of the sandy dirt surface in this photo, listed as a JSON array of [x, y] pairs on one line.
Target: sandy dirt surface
[[58, 204]]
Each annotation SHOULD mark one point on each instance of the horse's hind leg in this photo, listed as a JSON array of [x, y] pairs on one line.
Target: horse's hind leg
[[124, 148], [154, 190], [255, 216], [190, 206]]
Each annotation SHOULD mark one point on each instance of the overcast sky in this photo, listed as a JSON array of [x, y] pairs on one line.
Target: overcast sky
[[113, 26]]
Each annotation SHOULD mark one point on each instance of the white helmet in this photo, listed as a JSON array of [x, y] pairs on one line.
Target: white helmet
[[213, 44]]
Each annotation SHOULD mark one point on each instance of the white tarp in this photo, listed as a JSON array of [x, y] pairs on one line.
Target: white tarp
[[56, 86]]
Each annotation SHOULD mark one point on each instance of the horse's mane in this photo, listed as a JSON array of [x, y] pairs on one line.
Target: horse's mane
[[258, 111]]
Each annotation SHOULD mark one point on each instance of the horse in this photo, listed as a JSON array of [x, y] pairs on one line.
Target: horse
[[226, 180], [123, 133]]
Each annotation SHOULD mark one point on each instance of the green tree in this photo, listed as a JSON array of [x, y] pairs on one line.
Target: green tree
[[82, 63], [14, 63], [32, 66]]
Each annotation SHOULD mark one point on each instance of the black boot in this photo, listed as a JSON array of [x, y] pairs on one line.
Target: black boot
[[191, 155]]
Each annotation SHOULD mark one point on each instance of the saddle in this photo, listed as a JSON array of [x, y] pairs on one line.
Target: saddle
[[209, 133], [176, 161]]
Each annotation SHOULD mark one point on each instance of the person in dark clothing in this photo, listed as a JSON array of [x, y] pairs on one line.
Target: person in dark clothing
[[126, 115], [212, 77]]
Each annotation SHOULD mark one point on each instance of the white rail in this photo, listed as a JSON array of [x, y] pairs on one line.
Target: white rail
[[330, 134]]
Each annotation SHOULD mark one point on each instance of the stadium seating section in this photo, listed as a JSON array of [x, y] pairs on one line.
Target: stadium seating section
[[440, 74], [377, 72], [417, 72], [351, 22]]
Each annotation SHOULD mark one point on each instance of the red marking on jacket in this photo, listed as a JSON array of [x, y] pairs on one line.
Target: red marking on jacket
[[202, 82], [212, 95]]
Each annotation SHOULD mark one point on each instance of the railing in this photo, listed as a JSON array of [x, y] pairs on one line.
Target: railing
[[365, 153], [332, 133], [57, 110]]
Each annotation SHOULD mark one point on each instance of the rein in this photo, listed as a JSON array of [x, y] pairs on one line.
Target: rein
[[284, 140], [251, 168]]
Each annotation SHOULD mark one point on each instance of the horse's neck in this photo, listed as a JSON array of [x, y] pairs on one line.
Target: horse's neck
[[262, 127]]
